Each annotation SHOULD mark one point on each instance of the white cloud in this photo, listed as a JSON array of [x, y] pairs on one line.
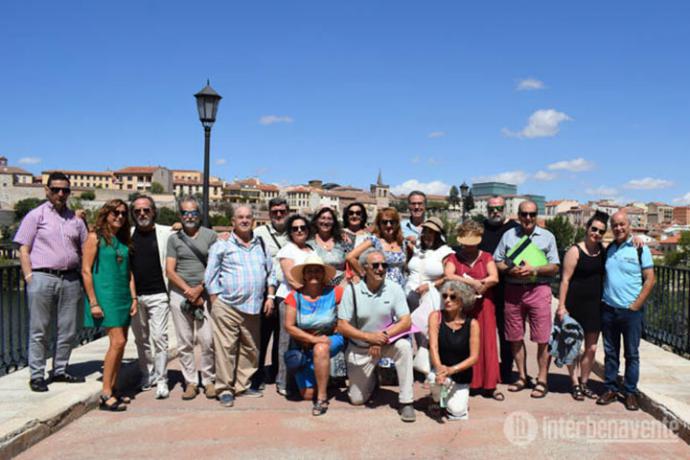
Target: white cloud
[[545, 176], [529, 84], [436, 134], [29, 160], [648, 183], [272, 119], [416, 159], [576, 165], [432, 188], [542, 123], [602, 191], [510, 177], [221, 161], [685, 199]]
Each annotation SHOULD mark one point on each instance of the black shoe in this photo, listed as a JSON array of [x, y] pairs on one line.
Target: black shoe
[[38, 385], [67, 378], [631, 402]]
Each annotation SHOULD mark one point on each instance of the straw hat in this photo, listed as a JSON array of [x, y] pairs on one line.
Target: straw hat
[[312, 259], [434, 223], [469, 234]]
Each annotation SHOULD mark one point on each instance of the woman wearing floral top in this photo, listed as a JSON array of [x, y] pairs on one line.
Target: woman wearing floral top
[[327, 241]]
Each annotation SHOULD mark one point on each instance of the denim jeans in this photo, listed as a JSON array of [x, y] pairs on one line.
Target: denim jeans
[[617, 322]]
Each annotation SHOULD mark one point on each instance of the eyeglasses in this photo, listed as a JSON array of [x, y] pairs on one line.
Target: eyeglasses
[[354, 213], [379, 265], [528, 214], [278, 211], [600, 231], [117, 213], [390, 222], [64, 190], [298, 228], [142, 210], [495, 208], [190, 213], [445, 295]]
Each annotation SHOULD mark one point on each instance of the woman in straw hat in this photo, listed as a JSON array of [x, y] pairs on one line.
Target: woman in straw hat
[[476, 268], [310, 319]]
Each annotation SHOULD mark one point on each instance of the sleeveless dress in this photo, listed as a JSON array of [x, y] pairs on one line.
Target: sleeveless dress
[[486, 371], [584, 293], [454, 347], [111, 284]]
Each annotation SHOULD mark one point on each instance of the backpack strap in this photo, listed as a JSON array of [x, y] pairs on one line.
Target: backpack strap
[[185, 239]]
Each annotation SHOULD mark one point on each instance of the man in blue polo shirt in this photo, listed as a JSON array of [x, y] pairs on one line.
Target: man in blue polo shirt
[[629, 281]]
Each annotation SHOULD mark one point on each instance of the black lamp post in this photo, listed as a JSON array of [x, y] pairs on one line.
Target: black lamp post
[[464, 193], [207, 101]]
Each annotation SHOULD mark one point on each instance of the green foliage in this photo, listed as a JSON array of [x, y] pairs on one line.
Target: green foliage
[[453, 196], [580, 234], [22, 207], [157, 187], [167, 216], [133, 196], [468, 203], [219, 220], [437, 205], [564, 232], [7, 233], [480, 218], [88, 195], [399, 205], [673, 259]]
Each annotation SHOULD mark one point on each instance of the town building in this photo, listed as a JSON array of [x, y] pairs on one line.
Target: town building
[[141, 178], [681, 215], [11, 175], [556, 207], [659, 213], [86, 179]]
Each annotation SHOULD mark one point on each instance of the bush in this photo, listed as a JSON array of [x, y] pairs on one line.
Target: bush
[[22, 207], [167, 216], [88, 195], [157, 187]]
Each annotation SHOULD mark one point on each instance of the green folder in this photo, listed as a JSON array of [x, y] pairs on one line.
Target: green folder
[[526, 251]]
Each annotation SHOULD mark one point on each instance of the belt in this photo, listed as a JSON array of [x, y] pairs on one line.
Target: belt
[[60, 273]]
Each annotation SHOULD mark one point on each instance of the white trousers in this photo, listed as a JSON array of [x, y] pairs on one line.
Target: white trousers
[[150, 328], [190, 331], [457, 400]]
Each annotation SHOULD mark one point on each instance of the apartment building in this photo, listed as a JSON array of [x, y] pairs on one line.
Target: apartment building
[[140, 178]]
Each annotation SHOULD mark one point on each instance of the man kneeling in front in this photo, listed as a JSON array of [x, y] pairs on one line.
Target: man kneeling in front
[[365, 316]]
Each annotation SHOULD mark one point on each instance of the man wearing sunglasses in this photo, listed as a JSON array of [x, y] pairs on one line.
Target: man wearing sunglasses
[[50, 239], [495, 225], [150, 326], [370, 313], [528, 293]]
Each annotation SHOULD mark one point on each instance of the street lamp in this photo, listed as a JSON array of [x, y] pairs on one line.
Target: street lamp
[[207, 101], [464, 193]]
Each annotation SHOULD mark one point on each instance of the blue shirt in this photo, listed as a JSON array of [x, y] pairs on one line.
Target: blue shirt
[[409, 229], [623, 280], [541, 237], [238, 273]]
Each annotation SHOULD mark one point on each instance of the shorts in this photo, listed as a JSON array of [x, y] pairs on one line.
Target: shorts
[[305, 377], [532, 302]]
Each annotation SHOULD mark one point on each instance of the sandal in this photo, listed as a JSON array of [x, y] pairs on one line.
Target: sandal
[[320, 407], [519, 385], [540, 390], [113, 406], [124, 399], [496, 395], [587, 391], [577, 393]]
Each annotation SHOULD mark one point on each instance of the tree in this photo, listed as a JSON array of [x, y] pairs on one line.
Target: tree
[[219, 220], [133, 196], [166, 216], [157, 187], [673, 258], [22, 207], [564, 232], [468, 203], [88, 195], [453, 196]]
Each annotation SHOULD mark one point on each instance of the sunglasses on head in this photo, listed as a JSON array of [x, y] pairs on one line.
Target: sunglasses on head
[[600, 231], [117, 213], [495, 208], [142, 210], [56, 190], [378, 265], [528, 214], [445, 295], [298, 228], [190, 213]]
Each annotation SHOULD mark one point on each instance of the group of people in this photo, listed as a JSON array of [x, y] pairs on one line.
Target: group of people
[[330, 300]]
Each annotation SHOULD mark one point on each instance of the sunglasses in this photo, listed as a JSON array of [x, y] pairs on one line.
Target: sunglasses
[[190, 213], [600, 231], [117, 213], [495, 208], [142, 211], [298, 229], [528, 214], [379, 265], [64, 190], [354, 213], [445, 295], [279, 211], [390, 222]]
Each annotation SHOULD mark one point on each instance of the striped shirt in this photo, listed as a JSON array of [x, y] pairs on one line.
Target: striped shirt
[[238, 273], [55, 239]]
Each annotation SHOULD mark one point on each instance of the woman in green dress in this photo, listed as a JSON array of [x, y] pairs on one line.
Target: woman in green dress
[[110, 293]]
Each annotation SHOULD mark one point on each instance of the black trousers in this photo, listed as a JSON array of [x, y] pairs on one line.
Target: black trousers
[[506, 354], [270, 328]]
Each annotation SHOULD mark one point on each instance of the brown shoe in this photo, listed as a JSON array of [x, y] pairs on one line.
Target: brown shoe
[[631, 402], [190, 392], [607, 398], [210, 391]]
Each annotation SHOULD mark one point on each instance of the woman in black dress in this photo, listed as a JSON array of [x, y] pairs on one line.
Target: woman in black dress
[[580, 297]]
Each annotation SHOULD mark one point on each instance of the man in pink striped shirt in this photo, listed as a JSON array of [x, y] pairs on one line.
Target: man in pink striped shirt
[[50, 238]]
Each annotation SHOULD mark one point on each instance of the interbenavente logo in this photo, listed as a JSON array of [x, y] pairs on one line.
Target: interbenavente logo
[[520, 428]]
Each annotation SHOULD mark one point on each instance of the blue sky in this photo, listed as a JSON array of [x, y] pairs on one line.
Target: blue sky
[[584, 100]]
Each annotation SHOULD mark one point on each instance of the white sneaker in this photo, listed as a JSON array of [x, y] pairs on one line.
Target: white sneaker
[[162, 391]]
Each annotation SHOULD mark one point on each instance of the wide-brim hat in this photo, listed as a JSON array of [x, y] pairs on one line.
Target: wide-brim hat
[[297, 271], [434, 223], [471, 239]]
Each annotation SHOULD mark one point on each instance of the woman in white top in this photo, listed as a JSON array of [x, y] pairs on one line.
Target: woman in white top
[[293, 253]]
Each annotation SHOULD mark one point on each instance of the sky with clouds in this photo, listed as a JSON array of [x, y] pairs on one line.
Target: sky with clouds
[[581, 100]]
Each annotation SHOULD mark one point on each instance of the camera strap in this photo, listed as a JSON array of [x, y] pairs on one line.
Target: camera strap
[[185, 239]]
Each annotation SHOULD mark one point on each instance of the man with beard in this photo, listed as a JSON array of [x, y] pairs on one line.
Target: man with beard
[[495, 225], [150, 241], [274, 236], [185, 265]]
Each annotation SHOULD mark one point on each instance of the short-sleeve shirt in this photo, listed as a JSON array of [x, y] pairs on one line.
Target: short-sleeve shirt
[[623, 280], [375, 310], [188, 265], [410, 229], [292, 252], [316, 314], [541, 237], [425, 266]]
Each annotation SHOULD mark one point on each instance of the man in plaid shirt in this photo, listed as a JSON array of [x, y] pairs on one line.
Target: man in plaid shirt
[[235, 279]]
